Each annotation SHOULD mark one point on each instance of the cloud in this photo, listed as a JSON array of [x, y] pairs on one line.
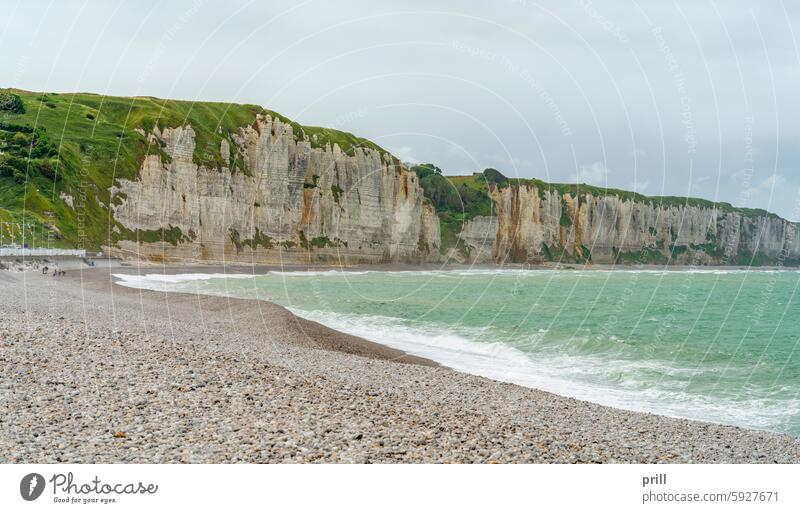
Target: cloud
[[593, 174], [638, 153], [458, 84], [772, 182], [639, 185], [517, 163], [766, 186], [406, 154]]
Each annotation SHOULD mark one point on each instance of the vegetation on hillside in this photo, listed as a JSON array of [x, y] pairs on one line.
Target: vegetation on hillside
[[458, 199], [480, 181], [78, 145], [60, 154], [455, 199], [11, 102]]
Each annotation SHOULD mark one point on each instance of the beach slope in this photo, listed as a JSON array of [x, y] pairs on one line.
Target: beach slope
[[93, 372]]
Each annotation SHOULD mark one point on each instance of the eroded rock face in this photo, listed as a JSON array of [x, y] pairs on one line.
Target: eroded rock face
[[533, 226], [479, 235], [279, 199], [284, 202]]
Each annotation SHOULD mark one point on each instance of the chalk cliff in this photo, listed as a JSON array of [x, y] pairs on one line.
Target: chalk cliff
[[185, 181], [280, 200], [534, 224]]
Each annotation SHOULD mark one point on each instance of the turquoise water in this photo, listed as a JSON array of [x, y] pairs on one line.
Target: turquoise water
[[722, 346]]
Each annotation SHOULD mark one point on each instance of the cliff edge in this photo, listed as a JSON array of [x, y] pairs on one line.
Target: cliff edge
[[167, 180]]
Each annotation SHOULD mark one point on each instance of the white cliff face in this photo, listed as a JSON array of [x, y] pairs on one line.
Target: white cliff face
[[533, 226], [285, 202]]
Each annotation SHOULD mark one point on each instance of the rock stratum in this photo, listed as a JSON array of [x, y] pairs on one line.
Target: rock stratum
[[534, 225], [285, 202], [174, 181]]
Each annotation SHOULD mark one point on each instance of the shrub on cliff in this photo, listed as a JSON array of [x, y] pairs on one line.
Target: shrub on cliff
[[20, 140], [42, 147], [441, 192], [11, 102], [424, 170], [496, 177], [48, 169], [13, 167]]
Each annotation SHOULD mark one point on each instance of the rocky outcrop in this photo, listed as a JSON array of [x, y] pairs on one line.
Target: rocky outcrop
[[534, 225], [278, 199], [480, 235], [167, 179]]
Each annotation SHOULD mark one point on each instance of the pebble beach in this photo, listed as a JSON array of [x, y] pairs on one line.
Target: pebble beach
[[93, 372]]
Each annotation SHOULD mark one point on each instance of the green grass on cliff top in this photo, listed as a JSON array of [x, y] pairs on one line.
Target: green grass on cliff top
[[95, 142], [458, 199], [480, 182]]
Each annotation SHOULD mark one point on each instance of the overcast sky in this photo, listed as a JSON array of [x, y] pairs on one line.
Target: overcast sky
[[688, 97]]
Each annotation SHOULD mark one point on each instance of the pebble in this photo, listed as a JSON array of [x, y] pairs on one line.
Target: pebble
[[90, 377]]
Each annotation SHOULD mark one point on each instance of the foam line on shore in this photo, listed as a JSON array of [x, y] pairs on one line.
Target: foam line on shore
[[468, 350], [161, 282], [460, 351]]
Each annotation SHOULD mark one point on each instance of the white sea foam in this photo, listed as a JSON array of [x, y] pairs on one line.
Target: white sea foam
[[331, 272], [616, 383], [592, 377], [163, 282]]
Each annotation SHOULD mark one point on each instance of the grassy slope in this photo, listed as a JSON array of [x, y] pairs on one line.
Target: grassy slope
[[96, 144]]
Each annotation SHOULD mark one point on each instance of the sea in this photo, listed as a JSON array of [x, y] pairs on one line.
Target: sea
[[707, 344]]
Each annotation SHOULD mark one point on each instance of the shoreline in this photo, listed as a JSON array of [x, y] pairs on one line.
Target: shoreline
[[25, 264], [317, 334], [389, 340], [450, 410]]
